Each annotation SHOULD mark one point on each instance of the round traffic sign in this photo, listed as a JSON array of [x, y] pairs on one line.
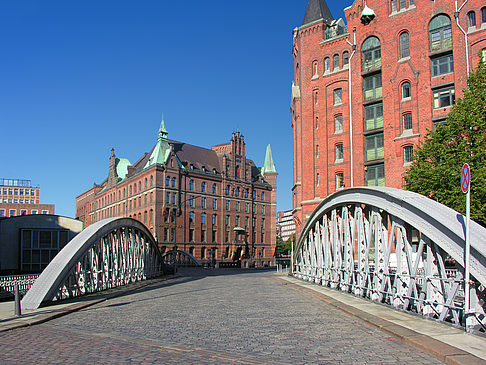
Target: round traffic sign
[[465, 178]]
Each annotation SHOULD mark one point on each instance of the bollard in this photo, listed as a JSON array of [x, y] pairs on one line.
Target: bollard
[[18, 311]]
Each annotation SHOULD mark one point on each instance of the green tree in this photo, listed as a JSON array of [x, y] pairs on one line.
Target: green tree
[[438, 160]]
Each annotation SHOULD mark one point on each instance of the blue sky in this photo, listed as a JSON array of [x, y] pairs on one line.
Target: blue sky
[[80, 77]]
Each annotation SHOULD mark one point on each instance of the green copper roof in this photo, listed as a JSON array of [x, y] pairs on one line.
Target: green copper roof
[[268, 166], [122, 167], [161, 151]]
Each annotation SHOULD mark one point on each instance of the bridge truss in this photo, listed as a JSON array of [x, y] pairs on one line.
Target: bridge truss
[[180, 258], [397, 248], [110, 253]]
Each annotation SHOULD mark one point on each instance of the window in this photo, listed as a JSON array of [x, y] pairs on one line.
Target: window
[[317, 179], [191, 201], [471, 19], [317, 122], [442, 65], [191, 217], [203, 187], [443, 97], [371, 54], [247, 207], [227, 189], [316, 97], [151, 183], [406, 91], [338, 124], [237, 191], [402, 4], [173, 182], [375, 175], [214, 188], [404, 45], [345, 58], [213, 219], [393, 6], [375, 147], [483, 15], [237, 204], [338, 96], [227, 205], [263, 195], [2, 212], [327, 64], [373, 116], [339, 153], [167, 199], [339, 180], [12, 212], [317, 151], [214, 203], [372, 87], [203, 203], [33, 211], [191, 185], [335, 62], [407, 122], [440, 33], [173, 199], [237, 221], [314, 69], [226, 221], [203, 218], [407, 155]]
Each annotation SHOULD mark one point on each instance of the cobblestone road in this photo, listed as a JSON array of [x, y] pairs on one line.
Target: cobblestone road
[[235, 318]]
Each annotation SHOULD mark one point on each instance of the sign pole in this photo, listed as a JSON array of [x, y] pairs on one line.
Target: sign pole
[[466, 188]]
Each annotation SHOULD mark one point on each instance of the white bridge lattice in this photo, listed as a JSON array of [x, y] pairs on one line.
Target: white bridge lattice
[[110, 253], [394, 247]]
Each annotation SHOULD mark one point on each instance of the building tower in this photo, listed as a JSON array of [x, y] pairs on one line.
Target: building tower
[[365, 93]]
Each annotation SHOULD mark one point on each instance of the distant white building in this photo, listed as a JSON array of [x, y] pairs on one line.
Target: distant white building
[[285, 225]]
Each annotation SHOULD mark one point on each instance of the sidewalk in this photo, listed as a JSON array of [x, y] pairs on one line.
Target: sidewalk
[[9, 321], [447, 343]]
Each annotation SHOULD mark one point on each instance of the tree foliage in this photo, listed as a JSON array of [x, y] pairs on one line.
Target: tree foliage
[[438, 160]]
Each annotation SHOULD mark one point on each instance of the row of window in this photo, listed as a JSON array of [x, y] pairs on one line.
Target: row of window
[[16, 192], [400, 5], [336, 64], [13, 212], [471, 17], [18, 201]]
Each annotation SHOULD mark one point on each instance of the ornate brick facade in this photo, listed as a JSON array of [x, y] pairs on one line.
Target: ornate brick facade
[[366, 94], [220, 206]]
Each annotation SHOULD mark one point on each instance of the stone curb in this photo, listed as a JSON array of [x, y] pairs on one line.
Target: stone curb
[[442, 351], [44, 317]]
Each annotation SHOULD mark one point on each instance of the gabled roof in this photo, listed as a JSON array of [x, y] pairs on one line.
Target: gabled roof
[[317, 9]]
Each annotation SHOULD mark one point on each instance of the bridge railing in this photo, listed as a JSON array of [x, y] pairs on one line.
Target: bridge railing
[[397, 248], [8, 283]]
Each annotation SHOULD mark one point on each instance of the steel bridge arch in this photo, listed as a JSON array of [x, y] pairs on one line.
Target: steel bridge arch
[[359, 240], [109, 253], [183, 258]]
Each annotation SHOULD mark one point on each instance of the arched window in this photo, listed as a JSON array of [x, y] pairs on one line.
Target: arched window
[[314, 69], [327, 64], [404, 45], [371, 54], [214, 188], [406, 90], [151, 180], [227, 189], [471, 19], [335, 62], [483, 15], [130, 190], [440, 33], [203, 187], [146, 183], [191, 185], [203, 218], [167, 181], [345, 58], [191, 217]]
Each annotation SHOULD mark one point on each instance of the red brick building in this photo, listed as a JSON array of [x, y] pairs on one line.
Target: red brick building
[[20, 197], [215, 202], [365, 94]]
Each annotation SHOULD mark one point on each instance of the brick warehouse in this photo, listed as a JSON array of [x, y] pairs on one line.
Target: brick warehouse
[[365, 94], [220, 206]]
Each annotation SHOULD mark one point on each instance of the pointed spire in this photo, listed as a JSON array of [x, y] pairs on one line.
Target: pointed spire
[[269, 166], [162, 131], [317, 9]]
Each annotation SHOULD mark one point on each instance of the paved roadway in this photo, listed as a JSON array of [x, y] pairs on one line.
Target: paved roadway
[[208, 317]]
